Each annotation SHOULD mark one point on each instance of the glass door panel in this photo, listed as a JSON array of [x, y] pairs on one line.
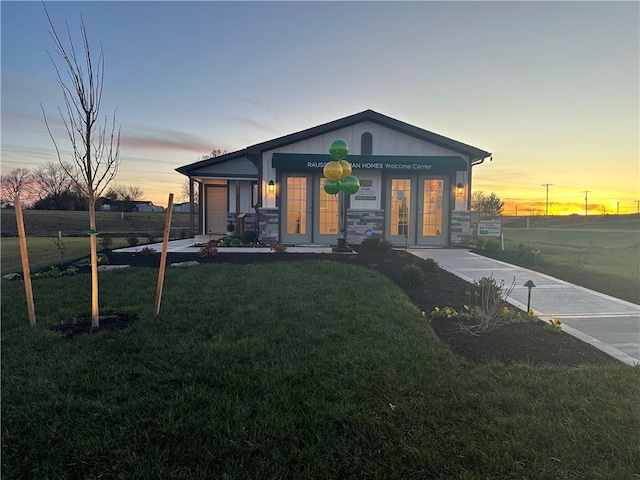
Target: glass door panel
[[296, 214], [433, 212], [399, 208], [432, 208]]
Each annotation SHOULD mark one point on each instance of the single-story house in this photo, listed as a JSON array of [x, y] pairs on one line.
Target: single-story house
[[415, 185]]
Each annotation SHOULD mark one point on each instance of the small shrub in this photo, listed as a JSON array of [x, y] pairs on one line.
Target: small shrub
[[151, 238], [146, 251], [376, 244], [71, 270], [208, 250], [492, 246], [488, 308], [427, 265], [132, 240], [106, 241], [411, 275], [249, 237], [53, 272], [277, 247]]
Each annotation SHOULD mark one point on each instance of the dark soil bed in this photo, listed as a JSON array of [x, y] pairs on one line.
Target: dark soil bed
[[531, 342]]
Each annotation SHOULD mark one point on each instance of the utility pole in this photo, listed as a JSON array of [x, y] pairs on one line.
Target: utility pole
[[638, 204], [586, 204], [546, 210]]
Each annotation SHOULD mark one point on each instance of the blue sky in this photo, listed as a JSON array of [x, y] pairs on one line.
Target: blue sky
[[550, 88]]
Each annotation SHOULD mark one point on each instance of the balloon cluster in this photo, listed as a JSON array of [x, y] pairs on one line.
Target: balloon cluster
[[338, 172]]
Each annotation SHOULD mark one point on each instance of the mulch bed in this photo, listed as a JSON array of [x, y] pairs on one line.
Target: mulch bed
[[532, 343]]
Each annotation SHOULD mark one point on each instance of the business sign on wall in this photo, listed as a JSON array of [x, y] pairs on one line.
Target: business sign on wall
[[389, 163], [490, 228], [367, 191]]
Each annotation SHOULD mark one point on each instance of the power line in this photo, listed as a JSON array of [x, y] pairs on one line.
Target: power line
[[586, 202], [546, 211]]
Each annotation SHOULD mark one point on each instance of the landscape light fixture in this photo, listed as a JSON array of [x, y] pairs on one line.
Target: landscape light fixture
[[460, 189], [529, 284], [271, 187]]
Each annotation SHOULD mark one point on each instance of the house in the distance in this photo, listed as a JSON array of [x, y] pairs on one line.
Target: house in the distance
[[415, 185]]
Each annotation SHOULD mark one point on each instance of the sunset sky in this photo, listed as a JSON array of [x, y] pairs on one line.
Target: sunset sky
[[550, 88]]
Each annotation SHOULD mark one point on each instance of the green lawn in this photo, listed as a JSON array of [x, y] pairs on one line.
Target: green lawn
[[613, 252], [309, 370]]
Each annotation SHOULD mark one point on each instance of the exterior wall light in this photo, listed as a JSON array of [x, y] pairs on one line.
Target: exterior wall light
[[460, 189], [271, 187]]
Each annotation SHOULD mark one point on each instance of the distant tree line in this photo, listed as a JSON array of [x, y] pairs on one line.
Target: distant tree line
[[488, 205], [51, 187]]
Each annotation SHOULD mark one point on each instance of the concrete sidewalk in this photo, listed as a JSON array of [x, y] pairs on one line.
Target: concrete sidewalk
[[608, 323]]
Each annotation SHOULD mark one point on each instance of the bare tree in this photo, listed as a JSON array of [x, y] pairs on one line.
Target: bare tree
[[18, 182], [184, 192], [96, 150], [125, 195], [53, 183], [216, 152]]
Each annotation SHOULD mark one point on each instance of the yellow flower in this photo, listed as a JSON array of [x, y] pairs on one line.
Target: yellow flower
[[424, 314], [556, 322], [466, 307], [447, 311], [531, 312], [437, 309], [505, 309]]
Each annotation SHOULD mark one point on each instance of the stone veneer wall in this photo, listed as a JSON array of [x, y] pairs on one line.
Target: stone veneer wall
[[269, 224], [359, 221], [461, 228], [249, 220]]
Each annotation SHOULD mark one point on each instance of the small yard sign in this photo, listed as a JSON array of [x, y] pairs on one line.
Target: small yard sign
[[490, 228]]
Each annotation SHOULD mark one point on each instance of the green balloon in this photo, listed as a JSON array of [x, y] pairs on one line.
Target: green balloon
[[332, 187], [350, 185], [338, 149]]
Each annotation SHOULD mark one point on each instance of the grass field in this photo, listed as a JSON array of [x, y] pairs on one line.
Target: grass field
[[41, 226], [578, 251], [289, 370], [46, 223]]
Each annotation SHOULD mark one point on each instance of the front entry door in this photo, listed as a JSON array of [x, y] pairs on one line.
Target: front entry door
[[216, 210], [400, 224], [432, 214], [296, 208]]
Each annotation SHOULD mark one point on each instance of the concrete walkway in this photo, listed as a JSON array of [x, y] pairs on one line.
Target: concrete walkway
[[187, 246], [608, 323]]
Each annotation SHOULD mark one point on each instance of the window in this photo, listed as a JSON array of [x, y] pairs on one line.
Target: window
[[366, 144]]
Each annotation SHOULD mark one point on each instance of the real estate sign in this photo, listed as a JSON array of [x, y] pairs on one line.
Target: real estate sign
[[490, 228]]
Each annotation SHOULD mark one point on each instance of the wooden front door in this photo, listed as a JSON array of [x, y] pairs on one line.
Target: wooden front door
[[216, 209]]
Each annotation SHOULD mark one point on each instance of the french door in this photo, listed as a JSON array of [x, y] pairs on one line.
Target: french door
[[296, 204], [417, 210]]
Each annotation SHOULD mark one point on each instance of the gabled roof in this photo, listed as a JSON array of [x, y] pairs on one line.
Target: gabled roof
[[375, 117], [186, 169], [368, 115]]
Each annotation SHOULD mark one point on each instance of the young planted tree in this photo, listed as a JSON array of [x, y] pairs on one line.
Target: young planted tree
[[96, 149]]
